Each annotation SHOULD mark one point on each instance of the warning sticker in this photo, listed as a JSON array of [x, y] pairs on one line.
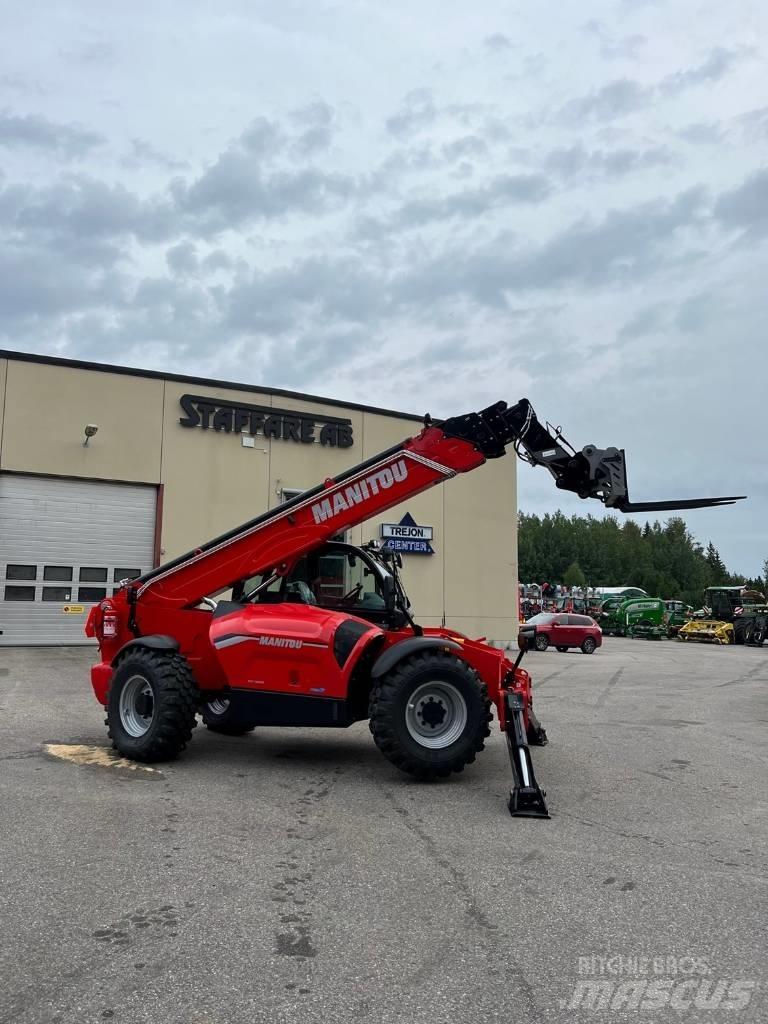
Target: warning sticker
[[73, 609]]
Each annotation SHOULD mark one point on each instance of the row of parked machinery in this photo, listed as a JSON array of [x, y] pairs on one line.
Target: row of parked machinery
[[729, 615]]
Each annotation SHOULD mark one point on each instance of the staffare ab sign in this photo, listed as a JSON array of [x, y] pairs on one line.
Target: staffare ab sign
[[407, 537], [240, 418]]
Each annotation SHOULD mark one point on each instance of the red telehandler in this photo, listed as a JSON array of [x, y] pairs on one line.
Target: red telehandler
[[289, 649]]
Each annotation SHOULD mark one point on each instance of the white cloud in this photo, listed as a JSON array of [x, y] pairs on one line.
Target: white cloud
[[446, 211]]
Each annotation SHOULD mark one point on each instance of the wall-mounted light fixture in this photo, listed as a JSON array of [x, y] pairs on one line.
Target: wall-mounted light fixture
[[90, 430]]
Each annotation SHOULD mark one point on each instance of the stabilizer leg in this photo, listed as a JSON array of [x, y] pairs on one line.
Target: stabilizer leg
[[526, 799]]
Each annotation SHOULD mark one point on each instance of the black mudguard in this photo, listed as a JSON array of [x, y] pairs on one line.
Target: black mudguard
[[154, 642], [405, 648]]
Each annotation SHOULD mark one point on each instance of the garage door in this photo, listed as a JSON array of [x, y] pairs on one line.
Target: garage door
[[64, 544]]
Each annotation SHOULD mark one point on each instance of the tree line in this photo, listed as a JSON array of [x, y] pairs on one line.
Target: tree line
[[665, 560]]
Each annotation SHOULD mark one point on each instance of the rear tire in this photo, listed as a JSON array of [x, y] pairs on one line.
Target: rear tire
[[563, 650], [217, 716], [429, 716], [588, 645], [151, 705], [541, 643]]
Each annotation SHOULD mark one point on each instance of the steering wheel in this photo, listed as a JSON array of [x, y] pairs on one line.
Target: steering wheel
[[352, 595]]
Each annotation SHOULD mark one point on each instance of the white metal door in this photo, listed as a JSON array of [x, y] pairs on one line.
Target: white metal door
[[64, 545]]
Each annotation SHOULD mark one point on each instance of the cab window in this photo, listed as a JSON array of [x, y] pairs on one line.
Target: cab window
[[345, 580], [332, 579]]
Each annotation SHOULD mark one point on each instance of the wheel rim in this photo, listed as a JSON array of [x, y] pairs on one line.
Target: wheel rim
[[137, 706], [541, 643], [589, 645], [436, 714], [220, 706]]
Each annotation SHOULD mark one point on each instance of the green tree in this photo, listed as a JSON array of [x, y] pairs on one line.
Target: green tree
[[574, 576], [717, 566], [664, 560]]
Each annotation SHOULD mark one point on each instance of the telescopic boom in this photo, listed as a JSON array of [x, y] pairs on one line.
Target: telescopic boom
[[441, 450]]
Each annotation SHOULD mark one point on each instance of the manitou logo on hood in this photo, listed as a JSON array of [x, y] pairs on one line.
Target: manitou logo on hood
[[354, 494], [280, 641]]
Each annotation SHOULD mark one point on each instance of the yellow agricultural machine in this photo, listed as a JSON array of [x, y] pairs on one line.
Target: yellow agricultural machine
[[711, 631], [731, 615]]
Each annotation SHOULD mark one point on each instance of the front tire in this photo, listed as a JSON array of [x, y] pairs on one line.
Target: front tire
[[588, 645], [151, 705], [541, 643], [429, 716], [217, 716]]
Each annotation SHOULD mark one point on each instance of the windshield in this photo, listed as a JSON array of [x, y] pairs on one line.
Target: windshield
[[540, 619]]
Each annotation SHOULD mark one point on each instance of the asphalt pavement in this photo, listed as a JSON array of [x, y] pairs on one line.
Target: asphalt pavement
[[296, 876]]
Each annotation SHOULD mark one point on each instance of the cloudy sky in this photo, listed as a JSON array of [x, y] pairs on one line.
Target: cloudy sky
[[428, 205]]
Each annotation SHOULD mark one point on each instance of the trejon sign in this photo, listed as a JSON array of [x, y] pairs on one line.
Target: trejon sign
[[407, 537], [271, 423]]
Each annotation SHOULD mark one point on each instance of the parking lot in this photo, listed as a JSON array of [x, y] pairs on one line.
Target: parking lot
[[295, 875]]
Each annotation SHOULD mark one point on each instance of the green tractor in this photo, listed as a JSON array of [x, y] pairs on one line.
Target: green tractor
[[634, 616]]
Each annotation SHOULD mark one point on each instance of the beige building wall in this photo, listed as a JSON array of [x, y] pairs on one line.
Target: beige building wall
[[481, 535], [3, 372], [211, 482], [47, 408]]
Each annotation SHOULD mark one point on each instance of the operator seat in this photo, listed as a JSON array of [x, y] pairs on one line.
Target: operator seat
[[300, 592]]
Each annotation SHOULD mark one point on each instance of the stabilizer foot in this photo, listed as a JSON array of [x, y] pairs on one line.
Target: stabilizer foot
[[528, 803]]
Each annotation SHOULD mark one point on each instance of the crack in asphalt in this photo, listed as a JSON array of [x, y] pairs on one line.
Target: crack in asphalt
[[603, 697], [537, 684], [743, 678]]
